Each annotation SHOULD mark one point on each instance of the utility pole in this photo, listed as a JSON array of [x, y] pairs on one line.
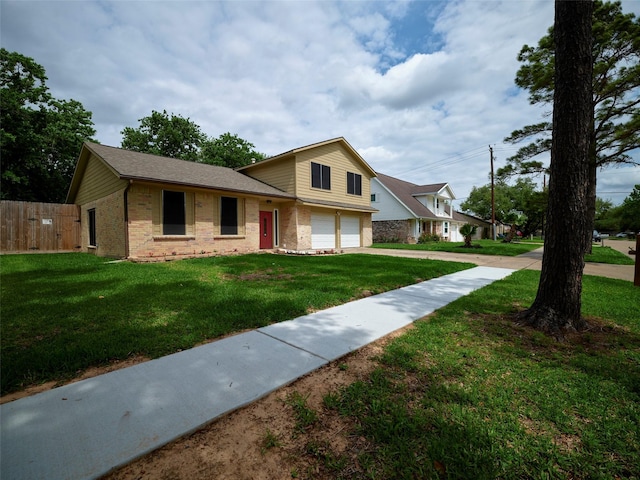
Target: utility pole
[[493, 201]]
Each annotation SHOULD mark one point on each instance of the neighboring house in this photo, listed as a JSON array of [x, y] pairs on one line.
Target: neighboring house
[[139, 206], [406, 210], [484, 227]]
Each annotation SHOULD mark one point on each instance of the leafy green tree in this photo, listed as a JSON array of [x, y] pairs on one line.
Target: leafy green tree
[[522, 196], [557, 306], [609, 220], [615, 128], [630, 211], [603, 207], [40, 136], [165, 135], [229, 151]]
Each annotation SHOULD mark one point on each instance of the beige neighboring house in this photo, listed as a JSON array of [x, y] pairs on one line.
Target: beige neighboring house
[[140, 206], [406, 210], [484, 227]]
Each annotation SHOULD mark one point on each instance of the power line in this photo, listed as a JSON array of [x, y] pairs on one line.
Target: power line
[[447, 161]]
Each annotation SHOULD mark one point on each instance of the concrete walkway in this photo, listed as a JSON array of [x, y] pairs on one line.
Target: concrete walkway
[[86, 429]]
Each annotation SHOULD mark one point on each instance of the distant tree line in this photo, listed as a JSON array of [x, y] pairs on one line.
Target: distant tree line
[[525, 197]]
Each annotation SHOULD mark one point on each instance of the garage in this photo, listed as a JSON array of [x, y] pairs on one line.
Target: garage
[[455, 235], [323, 231], [349, 232]]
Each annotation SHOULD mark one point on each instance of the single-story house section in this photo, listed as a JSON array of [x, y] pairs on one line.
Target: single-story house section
[[406, 211], [140, 206], [484, 227]]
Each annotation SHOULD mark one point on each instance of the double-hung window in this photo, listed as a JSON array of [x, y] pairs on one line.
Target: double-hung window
[[354, 183], [320, 176], [228, 216], [174, 216]]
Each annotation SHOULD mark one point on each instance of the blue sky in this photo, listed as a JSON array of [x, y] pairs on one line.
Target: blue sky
[[419, 88]]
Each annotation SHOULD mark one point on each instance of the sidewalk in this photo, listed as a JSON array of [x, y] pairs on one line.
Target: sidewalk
[[86, 429]]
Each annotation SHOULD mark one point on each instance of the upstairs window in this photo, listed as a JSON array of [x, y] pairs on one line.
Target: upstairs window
[[228, 216], [374, 197], [320, 176], [174, 217], [354, 183]]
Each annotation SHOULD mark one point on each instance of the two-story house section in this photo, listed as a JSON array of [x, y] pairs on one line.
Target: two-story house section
[[406, 210], [332, 186]]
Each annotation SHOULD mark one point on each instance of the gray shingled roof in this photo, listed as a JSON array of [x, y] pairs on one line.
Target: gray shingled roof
[[142, 166], [464, 217], [405, 192]]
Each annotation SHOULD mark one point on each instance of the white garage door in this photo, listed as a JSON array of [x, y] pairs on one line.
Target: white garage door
[[323, 231], [349, 232]]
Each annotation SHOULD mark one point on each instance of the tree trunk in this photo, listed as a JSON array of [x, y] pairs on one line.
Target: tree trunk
[[557, 306]]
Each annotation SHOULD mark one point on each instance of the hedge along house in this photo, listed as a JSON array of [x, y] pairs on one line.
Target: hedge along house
[[140, 206]]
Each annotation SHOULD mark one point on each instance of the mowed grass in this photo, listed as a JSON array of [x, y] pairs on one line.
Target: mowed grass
[[489, 247], [600, 254], [62, 314], [482, 247], [468, 394]]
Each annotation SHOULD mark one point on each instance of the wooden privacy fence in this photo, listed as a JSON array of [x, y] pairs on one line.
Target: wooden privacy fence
[[39, 227]]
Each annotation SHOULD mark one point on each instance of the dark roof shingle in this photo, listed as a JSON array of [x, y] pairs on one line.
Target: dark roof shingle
[[405, 192], [143, 166]]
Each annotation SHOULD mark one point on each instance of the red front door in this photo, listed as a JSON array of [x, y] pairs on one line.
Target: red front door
[[266, 230]]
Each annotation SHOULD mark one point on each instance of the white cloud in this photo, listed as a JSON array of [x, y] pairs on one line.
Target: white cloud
[[410, 99]]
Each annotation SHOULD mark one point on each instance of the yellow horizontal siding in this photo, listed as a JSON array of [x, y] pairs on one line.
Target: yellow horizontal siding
[[341, 162], [279, 174], [97, 182]]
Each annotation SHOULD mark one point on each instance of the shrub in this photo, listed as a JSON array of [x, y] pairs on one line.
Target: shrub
[[429, 237]]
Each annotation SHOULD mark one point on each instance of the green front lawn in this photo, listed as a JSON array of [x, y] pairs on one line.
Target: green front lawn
[[468, 394], [489, 247], [483, 247], [600, 254], [64, 313]]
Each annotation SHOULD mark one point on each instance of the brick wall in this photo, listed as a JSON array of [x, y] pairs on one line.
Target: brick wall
[[304, 228], [367, 231], [205, 240], [396, 230], [288, 230]]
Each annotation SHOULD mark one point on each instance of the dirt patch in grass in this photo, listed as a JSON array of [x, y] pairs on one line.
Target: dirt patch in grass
[[599, 336], [269, 274]]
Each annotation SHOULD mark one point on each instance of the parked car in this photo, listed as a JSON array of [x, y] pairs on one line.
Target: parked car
[[596, 236]]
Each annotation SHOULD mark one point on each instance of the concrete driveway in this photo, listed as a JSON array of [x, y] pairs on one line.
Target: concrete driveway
[[531, 260]]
